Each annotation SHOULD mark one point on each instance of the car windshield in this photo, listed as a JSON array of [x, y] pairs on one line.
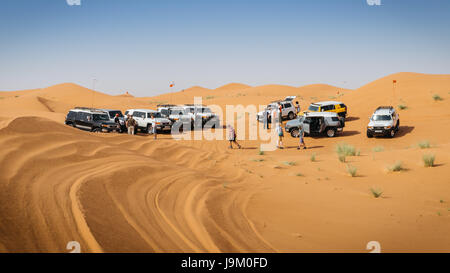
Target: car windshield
[[155, 114], [381, 117], [313, 108], [112, 114], [205, 110], [101, 117]]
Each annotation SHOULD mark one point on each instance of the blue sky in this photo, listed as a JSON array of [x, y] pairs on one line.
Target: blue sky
[[141, 46]]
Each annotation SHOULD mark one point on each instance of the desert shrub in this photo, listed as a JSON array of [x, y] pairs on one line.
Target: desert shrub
[[436, 97], [341, 158], [261, 152], [346, 149], [424, 144], [351, 170], [428, 160], [378, 149], [376, 192], [299, 174], [397, 167], [209, 97], [402, 107], [289, 163], [313, 157]]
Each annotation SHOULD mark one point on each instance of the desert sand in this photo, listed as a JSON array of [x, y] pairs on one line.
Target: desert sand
[[120, 193]]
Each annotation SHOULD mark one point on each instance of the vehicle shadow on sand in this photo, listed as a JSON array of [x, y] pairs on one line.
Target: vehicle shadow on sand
[[307, 147], [404, 130], [351, 119], [349, 133]]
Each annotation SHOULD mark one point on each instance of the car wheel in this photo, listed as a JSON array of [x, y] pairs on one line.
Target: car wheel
[[392, 133], [291, 115], [96, 130], [369, 135], [331, 132], [295, 132], [149, 128]]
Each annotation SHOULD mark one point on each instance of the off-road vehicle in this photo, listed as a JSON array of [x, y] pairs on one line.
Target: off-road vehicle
[[385, 121], [112, 116], [328, 106], [201, 115], [90, 119], [144, 120], [316, 123], [177, 114], [288, 110]]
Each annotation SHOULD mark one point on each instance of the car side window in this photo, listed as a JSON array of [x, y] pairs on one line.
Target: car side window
[[126, 113], [287, 105]]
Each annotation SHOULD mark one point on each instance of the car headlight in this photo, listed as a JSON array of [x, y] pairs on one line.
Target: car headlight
[[104, 125], [158, 123], [370, 127], [387, 127]]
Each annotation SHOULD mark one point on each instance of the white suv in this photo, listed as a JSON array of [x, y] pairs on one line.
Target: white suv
[[201, 114], [176, 114], [144, 120], [288, 110], [385, 121]]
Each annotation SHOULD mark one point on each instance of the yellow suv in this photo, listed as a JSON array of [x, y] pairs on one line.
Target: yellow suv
[[329, 106]]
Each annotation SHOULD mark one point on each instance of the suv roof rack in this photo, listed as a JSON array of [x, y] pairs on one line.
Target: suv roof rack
[[194, 105], [385, 108], [87, 108], [166, 105]]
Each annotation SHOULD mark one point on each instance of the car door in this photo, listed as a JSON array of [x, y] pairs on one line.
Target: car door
[[322, 124], [306, 125], [139, 117], [286, 109], [82, 121]]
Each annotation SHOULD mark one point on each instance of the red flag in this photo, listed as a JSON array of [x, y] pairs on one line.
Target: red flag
[[394, 81], [172, 84]]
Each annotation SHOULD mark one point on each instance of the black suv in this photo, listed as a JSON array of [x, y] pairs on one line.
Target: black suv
[[90, 119]]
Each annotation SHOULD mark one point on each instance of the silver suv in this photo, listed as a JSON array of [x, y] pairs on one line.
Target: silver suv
[[177, 114], [288, 110], [385, 121], [316, 123], [202, 115]]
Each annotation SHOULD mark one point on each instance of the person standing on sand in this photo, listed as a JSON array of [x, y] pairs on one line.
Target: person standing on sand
[[154, 131], [280, 136], [131, 123], [273, 113], [232, 136], [297, 107], [117, 121], [266, 119], [301, 140], [280, 113]]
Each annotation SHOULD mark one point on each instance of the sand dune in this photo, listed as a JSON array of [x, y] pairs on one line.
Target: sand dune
[[116, 193]]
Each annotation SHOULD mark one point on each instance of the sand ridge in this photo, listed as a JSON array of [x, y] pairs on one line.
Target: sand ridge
[[119, 193]]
